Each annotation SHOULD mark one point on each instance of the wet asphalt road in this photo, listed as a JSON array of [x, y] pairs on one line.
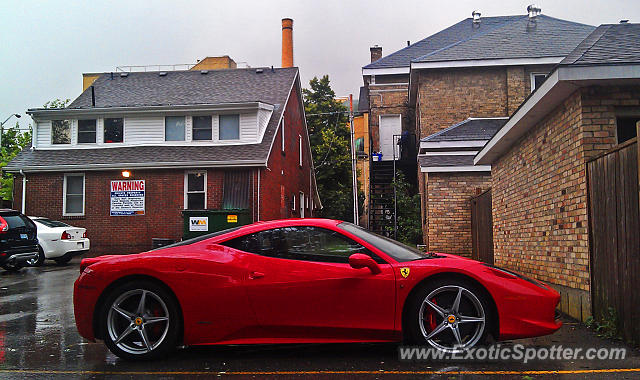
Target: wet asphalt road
[[38, 339]]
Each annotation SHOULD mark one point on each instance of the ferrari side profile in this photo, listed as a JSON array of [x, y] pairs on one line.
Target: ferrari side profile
[[302, 281]]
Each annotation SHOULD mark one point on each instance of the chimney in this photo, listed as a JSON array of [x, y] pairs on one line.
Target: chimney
[[287, 42], [476, 17], [376, 53], [533, 11]]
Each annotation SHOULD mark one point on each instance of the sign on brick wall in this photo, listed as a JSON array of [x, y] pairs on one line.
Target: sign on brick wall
[[127, 198]]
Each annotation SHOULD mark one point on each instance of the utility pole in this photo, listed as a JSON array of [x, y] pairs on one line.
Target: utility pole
[[354, 173]]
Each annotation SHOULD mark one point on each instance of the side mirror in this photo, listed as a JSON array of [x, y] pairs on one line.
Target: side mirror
[[359, 260]]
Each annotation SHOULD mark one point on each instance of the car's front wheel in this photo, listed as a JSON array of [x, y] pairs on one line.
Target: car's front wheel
[[449, 315], [36, 262], [141, 321]]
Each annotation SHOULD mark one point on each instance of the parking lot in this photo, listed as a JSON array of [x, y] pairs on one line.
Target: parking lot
[[38, 339]]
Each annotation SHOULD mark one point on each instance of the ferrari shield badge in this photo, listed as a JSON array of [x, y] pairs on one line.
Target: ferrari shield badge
[[404, 272]]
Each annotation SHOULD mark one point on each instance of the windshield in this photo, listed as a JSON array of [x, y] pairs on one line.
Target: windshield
[[395, 249]]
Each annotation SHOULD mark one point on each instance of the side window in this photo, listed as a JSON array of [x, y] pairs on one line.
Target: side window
[[265, 243], [301, 243]]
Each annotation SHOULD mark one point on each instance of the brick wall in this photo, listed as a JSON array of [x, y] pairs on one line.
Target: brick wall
[[448, 228], [285, 178], [540, 192], [389, 99]]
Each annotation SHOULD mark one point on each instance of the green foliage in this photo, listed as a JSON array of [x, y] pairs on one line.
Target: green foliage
[[408, 210], [331, 148], [13, 141], [606, 327]]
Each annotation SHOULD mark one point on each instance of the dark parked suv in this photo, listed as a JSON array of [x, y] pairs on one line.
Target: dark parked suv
[[18, 240]]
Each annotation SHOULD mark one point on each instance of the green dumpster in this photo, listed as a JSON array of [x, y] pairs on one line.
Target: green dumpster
[[202, 222]]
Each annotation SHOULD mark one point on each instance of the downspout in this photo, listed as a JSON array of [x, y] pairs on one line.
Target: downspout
[[24, 190], [259, 170]]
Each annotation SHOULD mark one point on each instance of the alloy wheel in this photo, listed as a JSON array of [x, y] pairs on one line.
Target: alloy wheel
[[138, 321], [452, 318]]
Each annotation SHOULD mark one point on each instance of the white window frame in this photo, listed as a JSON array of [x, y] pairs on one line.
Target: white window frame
[[532, 77], [293, 204], [193, 128], [64, 194], [300, 149], [282, 131], [220, 127], [96, 131], [301, 194], [186, 187], [104, 130], [70, 123], [164, 130]]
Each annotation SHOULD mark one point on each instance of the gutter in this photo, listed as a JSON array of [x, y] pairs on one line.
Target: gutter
[[146, 165]]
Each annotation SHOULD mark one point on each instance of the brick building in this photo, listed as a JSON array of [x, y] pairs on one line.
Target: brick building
[[588, 104], [199, 139], [481, 67]]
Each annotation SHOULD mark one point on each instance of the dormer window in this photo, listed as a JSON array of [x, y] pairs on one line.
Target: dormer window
[[174, 128], [60, 132], [536, 80], [87, 131], [202, 128], [113, 130], [229, 127]]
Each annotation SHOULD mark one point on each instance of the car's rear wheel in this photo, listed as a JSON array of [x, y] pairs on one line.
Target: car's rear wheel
[[38, 260], [12, 267], [140, 321], [449, 315], [62, 260]]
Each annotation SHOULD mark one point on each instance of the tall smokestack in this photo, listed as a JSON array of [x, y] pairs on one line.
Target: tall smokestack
[[287, 42]]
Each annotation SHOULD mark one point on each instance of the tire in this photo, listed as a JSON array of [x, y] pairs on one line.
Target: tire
[[62, 260], [39, 260], [12, 267], [140, 335], [440, 324]]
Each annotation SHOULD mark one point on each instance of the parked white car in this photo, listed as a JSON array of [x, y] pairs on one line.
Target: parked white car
[[58, 241]]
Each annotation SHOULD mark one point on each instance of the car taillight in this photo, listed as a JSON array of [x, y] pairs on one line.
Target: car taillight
[[65, 236], [4, 226], [84, 235]]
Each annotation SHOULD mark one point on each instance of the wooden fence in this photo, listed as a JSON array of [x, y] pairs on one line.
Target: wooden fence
[[614, 234]]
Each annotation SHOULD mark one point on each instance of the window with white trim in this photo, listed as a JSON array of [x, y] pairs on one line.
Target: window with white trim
[[73, 195], [229, 127], [113, 130], [195, 190], [293, 202], [87, 131], [61, 132], [300, 149], [202, 128], [537, 79], [301, 204], [174, 128]]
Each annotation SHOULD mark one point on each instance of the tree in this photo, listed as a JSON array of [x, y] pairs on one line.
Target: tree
[[408, 211], [14, 140], [331, 148]]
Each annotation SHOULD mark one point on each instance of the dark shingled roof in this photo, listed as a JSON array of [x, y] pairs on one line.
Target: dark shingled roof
[[189, 88], [177, 88], [492, 38], [609, 43], [470, 129], [451, 160]]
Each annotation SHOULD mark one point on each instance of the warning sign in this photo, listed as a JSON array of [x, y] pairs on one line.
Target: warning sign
[[232, 218], [127, 197]]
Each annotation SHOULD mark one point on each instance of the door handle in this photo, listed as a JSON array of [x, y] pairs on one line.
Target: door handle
[[256, 275]]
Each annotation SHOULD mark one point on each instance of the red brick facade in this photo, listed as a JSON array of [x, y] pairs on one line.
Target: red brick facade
[[539, 191], [449, 210], [164, 196]]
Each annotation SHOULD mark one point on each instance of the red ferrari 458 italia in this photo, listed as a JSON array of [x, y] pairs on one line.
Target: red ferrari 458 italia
[[302, 280]]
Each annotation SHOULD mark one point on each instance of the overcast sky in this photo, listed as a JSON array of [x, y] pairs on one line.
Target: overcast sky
[[45, 46]]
